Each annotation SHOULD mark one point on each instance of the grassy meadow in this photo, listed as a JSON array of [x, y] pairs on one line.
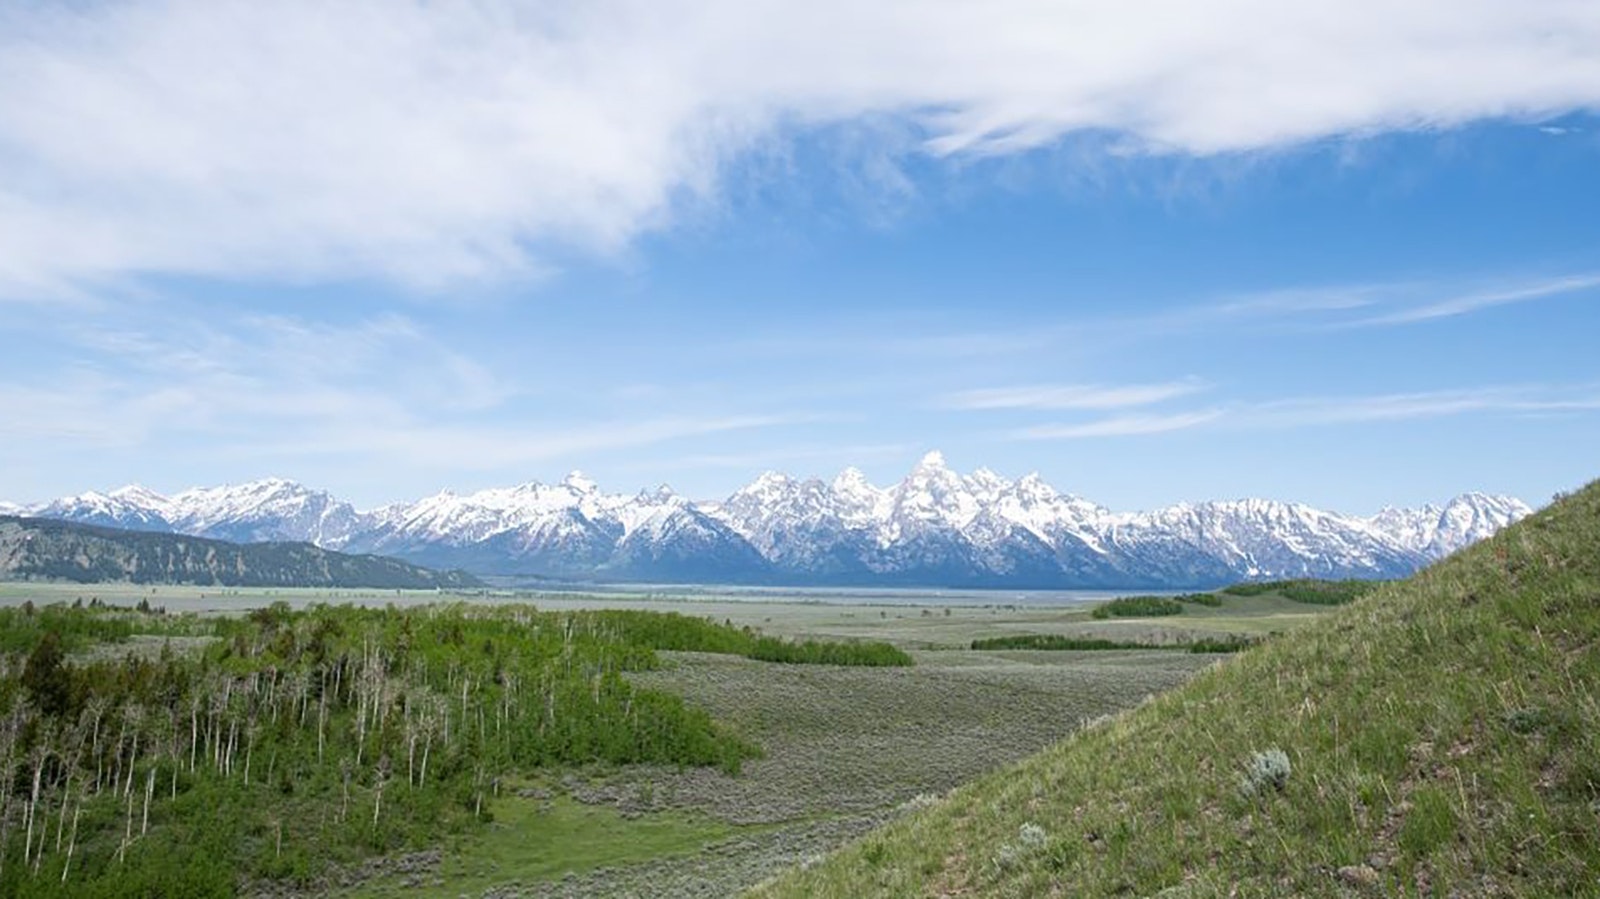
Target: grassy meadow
[[750, 766]]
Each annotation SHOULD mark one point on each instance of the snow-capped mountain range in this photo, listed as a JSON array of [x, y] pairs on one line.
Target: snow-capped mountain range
[[935, 528]]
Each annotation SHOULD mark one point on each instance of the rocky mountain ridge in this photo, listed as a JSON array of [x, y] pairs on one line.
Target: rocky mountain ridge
[[936, 527]]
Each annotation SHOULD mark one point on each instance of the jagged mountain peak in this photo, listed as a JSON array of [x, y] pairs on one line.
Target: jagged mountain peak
[[986, 484], [138, 493], [853, 480], [662, 495], [1034, 484], [768, 483]]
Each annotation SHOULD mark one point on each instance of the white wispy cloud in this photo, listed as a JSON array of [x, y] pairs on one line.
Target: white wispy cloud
[[1119, 426], [284, 388], [1473, 301], [1318, 411], [431, 143], [1071, 396], [1419, 405], [499, 446]]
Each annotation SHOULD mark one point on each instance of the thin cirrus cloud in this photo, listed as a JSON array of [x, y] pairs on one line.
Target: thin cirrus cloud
[[1324, 411], [1426, 404], [1119, 426], [1071, 396], [430, 144], [503, 447], [1474, 301]]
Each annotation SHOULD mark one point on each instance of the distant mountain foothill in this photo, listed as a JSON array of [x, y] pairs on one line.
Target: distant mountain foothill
[[50, 550]]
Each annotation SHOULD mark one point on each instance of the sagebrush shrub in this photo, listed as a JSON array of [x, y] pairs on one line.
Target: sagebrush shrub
[[1268, 769], [1031, 838]]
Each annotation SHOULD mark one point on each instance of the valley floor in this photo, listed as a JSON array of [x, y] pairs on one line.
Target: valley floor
[[847, 749]]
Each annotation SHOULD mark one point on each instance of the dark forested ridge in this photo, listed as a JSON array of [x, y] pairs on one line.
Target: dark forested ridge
[[43, 549]]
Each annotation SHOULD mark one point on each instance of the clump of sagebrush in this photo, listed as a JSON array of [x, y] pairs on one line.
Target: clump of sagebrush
[[1266, 770], [1138, 607], [1030, 839], [920, 801]]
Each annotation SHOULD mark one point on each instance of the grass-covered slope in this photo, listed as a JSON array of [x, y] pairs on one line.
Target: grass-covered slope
[[1443, 735]]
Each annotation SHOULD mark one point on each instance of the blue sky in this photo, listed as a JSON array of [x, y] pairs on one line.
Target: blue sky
[[1345, 255]]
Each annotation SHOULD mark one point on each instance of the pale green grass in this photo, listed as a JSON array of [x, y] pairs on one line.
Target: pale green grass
[[538, 839]]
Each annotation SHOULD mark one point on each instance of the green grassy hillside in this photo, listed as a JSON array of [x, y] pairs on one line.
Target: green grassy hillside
[[1442, 736]]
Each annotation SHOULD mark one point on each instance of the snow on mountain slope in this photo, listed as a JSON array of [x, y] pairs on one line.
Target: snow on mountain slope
[[1436, 532], [259, 511], [133, 508], [934, 527]]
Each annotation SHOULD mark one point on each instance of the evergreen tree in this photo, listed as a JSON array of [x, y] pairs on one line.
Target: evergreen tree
[[46, 679]]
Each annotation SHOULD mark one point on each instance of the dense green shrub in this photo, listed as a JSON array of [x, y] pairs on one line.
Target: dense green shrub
[[1138, 607], [1055, 641], [810, 652], [1307, 590], [1062, 642]]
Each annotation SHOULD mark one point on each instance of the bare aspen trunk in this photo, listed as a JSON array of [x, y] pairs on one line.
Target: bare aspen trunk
[[94, 750], [361, 729], [149, 790], [27, 836], [344, 806], [116, 758], [132, 759], [33, 805], [127, 835], [61, 820], [72, 842]]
